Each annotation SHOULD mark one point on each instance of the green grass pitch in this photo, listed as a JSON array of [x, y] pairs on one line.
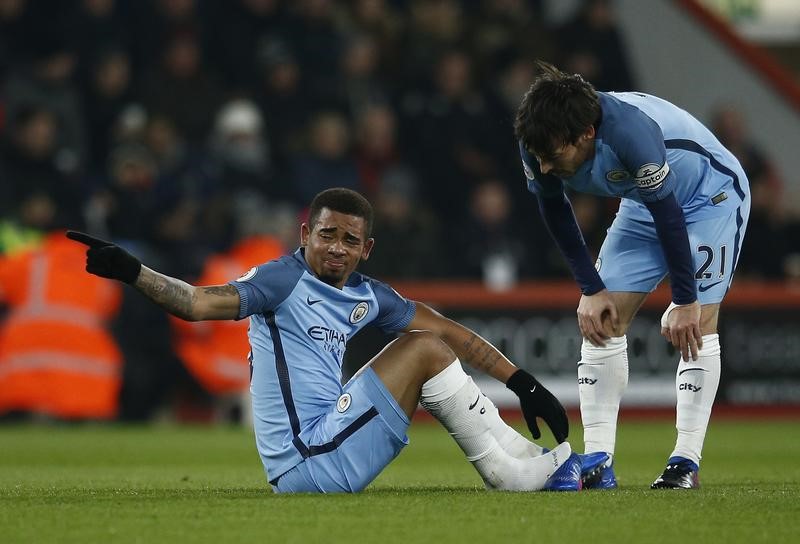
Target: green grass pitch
[[205, 484]]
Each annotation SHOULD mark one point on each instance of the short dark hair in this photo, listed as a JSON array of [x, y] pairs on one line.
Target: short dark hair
[[344, 201], [556, 110]]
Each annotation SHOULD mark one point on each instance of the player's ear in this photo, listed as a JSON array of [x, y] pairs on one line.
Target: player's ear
[[589, 133], [305, 232], [367, 248]]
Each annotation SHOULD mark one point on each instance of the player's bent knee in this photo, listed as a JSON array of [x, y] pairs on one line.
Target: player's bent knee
[[429, 345]]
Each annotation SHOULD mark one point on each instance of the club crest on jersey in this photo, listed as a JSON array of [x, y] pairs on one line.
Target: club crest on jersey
[[528, 171], [343, 403], [359, 312], [651, 176], [248, 275], [615, 176]]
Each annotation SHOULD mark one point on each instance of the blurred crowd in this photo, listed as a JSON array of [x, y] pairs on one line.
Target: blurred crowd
[[179, 126], [195, 133]]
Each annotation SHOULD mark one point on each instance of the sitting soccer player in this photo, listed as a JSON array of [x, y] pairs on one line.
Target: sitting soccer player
[[312, 433]]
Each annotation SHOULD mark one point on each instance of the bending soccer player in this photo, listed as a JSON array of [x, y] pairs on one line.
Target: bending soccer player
[[684, 209], [312, 433]]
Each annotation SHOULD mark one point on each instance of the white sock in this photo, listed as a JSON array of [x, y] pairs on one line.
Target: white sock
[[602, 378], [453, 398], [696, 383]]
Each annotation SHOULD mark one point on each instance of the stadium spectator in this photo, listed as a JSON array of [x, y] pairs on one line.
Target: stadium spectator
[[284, 100], [360, 85], [108, 91], [241, 27], [682, 212], [382, 22], [182, 88], [376, 147], [500, 29], [453, 132], [158, 23], [73, 370], [342, 436], [311, 30], [488, 244], [592, 45], [327, 162], [406, 224], [126, 204], [97, 27], [433, 27], [243, 167], [190, 224], [14, 19], [31, 165], [44, 79]]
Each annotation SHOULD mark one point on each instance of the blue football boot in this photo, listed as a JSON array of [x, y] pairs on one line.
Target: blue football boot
[[567, 477], [681, 473], [598, 472]]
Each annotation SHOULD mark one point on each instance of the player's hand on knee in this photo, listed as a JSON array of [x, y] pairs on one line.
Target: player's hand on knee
[[597, 317], [107, 260], [536, 401], [682, 325]]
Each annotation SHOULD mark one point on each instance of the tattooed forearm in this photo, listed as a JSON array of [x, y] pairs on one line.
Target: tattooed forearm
[[480, 354], [174, 295]]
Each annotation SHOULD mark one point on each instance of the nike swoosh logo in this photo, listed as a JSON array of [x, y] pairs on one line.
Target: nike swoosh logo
[[471, 406], [312, 302], [688, 369], [703, 288], [590, 364]]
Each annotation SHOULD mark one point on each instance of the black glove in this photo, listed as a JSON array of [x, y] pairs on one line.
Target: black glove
[[536, 401], [106, 259]]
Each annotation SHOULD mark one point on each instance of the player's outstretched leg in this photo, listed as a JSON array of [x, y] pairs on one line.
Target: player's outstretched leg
[[696, 383], [453, 398], [602, 378]]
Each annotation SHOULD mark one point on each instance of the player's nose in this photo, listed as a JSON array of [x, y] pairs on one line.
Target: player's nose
[[336, 248]]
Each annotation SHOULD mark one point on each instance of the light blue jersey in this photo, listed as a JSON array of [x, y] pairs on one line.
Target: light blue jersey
[[659, 160], [299, 327], [646, 147]]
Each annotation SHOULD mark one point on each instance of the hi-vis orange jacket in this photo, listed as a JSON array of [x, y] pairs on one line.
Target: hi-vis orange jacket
[[56, 354], [215, 352]]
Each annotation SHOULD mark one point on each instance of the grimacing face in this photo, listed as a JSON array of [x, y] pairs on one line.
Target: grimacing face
[[335, 245], [566, 159]]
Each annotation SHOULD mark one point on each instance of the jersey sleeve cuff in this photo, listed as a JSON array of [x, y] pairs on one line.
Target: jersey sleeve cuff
[[243, 299]]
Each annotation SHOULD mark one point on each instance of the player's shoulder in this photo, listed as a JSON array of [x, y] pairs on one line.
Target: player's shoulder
[[284, 269], [627, 121], [619, 110]]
